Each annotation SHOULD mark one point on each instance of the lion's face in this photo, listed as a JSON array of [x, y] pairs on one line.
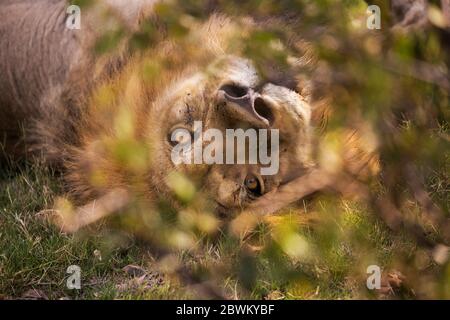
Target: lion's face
[[229, 94]]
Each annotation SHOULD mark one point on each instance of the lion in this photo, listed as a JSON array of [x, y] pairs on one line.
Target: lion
[[108, 125]]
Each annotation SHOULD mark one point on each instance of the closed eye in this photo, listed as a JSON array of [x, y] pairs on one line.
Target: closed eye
[[180, 135]]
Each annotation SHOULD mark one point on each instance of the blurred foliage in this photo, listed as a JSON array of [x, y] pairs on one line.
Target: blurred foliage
[[391, 86]]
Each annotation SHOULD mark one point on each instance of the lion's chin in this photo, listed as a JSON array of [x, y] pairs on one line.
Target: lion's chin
[[222, 211]]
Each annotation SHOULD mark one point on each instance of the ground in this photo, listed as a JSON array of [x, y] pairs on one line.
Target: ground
[[34, 254]]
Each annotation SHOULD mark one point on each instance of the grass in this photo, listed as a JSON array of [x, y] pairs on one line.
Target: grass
[[35, 255]]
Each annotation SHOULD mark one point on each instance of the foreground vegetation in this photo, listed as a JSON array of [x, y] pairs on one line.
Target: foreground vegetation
[[389, 85], [338, 241]]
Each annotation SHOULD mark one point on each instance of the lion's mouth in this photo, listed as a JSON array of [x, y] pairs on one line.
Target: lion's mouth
[[221, 210]]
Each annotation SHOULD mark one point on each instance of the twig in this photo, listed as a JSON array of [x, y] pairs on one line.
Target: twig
[[94, 211], [315, 180]]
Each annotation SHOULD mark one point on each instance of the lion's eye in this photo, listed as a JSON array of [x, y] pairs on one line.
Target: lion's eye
[[254, 185], [180, 136]]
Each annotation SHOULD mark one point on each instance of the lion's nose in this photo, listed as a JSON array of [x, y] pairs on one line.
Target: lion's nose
[[246, 104]]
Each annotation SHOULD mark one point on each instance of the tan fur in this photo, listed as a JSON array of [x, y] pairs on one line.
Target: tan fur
[[98, 107], [153, 104]]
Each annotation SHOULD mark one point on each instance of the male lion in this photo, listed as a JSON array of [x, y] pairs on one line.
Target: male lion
[[78, 110]]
